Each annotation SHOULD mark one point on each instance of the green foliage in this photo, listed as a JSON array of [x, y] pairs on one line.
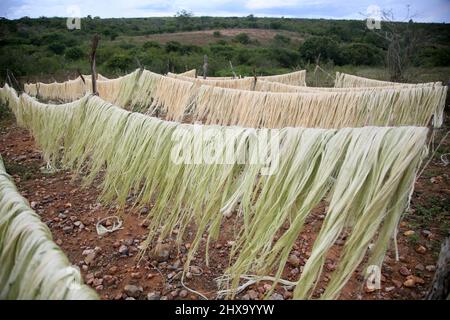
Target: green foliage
[[360, 54], [75, 53], [57, 48], [26, 42], [280, 39], [242, 38], [120, 62], [151, 44], [324, 47]]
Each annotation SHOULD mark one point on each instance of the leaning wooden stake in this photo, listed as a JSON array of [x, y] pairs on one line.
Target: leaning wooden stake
[[205, 66], [440, 287], [93, 68], [81, 76]]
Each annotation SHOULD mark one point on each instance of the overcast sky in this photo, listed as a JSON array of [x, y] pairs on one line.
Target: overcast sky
[[426, 11]]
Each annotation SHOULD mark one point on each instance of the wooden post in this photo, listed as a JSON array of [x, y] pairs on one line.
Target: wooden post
[[440, 287], [255, 79], [232, 70], [93, 67], [205, 66], [81, 76]]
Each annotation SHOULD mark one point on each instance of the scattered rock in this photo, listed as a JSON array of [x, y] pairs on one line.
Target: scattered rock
[[411, 281], [59, 242], [183, 293], [419, 267], [133, 291], [409, 233], [162, 252], [89, 259], [397, 283], [288, 295], [421, 249], [431, 268], [33, 204], [276, 296], [68, 229], [294, 260], [153, 296], [427, 233], [113, 269], [123, 250], [389, 289], [195, 270], [136, 275], [404, 271], [252, 294]]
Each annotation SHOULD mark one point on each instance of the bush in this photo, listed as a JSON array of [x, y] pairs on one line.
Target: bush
[[281, 39], [74, 53], [120, 62], [173, 46], [217, 34], [361, 54], [326, 47], [57, 48], [151, 44], [242, 38]]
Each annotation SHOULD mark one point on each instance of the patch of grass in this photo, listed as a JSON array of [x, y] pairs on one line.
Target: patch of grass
[[25, 172], [5, 114]]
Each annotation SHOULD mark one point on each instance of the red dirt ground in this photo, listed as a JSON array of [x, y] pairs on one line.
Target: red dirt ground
[[71, 212]]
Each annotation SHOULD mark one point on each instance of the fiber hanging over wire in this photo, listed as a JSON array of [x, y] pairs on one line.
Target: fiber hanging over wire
[[190, 73], [344, 80], [33, 267], [364, 174], [296, 78], [387, 107], [241, 84]]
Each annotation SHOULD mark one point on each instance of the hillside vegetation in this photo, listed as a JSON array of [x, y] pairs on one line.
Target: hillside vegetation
[[32, 48]]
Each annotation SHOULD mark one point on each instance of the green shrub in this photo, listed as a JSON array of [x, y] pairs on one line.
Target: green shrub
[[120, 62], [151, 44], [75, 53], [325, 47], [57, 48], [242, 38]]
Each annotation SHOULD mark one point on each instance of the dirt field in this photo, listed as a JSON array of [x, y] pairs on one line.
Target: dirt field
[[109, 263], [205, 37]]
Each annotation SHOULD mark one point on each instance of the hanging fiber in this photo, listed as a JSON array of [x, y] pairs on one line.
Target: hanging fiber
[[365, 174], [33, 267], [344, 80]]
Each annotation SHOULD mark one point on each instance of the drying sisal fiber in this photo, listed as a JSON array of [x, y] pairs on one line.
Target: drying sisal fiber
[[344, 80], [241, 84], [388, 107], [365, 174], [190, 73], [296, 78], [33, 267]]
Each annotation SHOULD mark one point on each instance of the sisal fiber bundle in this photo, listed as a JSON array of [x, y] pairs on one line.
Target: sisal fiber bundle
[[296, 78], [364, 174], [387, 107], [344, 80], [242, 84], [33, 267], [190, 73]]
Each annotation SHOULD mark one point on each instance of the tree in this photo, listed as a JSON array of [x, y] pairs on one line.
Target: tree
[[242, 38], [74, 53], [403, 41], [324, 47]]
